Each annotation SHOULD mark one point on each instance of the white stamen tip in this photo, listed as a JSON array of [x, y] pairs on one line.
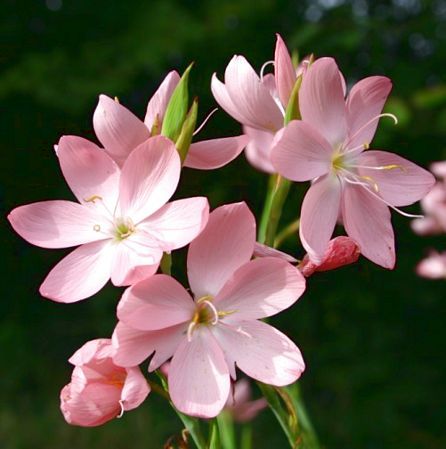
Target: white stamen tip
[[264, 66], [205, 121], [121, 413]]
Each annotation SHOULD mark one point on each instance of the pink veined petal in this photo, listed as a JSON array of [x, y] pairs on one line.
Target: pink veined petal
[[134, 390], [198, 376], [58, 224], [252, 99], [149, 178], [364, 102], [367, 221], [258, 150], [134, 346], [321, 100], [98, 348], [222, 97], [261, 351], [225, 244], [91, 173], [260, 288], [156, 303], [400, 186], [135, 258], [177, 223], [284, 72], [118, 129], [300, 153], [320, 210], [158, 103], [79, 275], [214, 153], [261, 250]]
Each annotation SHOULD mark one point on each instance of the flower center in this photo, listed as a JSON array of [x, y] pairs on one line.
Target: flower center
[[124, 227]]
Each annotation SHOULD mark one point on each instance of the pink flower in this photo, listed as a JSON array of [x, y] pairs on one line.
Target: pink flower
[[258, 103], [433, 266], [221, 327], [99, 390], [240, 405], [120, 131], [122, 221], [358, 186]]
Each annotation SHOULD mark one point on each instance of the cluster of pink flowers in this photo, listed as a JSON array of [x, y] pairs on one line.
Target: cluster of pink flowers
[[123, 225], [433, 223]]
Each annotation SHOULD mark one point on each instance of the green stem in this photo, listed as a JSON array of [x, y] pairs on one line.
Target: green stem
[[246, 439], [226, 430], [214, 440], [292, 228]]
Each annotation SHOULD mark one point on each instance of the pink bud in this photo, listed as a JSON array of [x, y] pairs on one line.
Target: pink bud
[[100, 390], [341, 251]]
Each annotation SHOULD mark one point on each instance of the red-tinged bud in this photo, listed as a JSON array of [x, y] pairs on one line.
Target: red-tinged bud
[[341, 251]]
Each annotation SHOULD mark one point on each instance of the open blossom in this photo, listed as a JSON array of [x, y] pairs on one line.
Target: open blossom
[[120, 131], [350, 184], [433, 205], [208, 335], [100, 390], [258, 103], [433, 266], [121, 221]]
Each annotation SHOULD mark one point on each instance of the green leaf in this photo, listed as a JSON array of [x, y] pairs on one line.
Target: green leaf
[[226, 430], [292, 110], [177, 108], [187, 131]]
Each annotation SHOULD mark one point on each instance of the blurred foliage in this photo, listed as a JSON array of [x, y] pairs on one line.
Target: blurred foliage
[[373, 340]]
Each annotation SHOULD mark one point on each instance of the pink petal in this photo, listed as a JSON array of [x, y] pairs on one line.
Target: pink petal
[[439, 169], [58, 224], [426, 226], [198, 376], [149, 178], [252, 99], [300, 153], [320, 210], [258, 150], [284, 72], [321, 100], [118, 129], [98, 348], [134, 346], [155, 303], [262, 352], [214, 153], [261, 250], [260, 288], [89, 171], [79, 275], [226, 243], [135, 389], [177, 223], [135, 258], [433, 267], [367, 221], [365, 101], [399, 186], [222, 97], [158, 103]]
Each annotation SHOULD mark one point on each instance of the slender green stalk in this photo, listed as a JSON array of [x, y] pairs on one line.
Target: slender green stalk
[[226, 430], [214, 440], [292, 228], [246, 438]]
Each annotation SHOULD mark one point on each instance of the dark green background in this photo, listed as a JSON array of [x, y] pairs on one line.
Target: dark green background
[[373, 339]]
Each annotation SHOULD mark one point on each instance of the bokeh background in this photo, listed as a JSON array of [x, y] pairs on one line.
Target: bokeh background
[[373, 339]]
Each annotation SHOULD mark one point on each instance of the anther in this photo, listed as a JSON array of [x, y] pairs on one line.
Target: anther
[[92, 198]]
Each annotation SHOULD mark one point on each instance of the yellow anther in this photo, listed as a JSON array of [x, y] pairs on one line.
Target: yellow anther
[[156, 126], [366, 146], [117, 99], [393, 166], [223, 313], [205, 298], [371, 181], [92, 198]]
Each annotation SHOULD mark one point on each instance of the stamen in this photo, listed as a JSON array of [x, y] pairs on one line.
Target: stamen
[[214, 311], [363, 146], [190, 329], [205, 121], [92, 199], [381, 167], [264, 66], [117, 99], [121, 413]]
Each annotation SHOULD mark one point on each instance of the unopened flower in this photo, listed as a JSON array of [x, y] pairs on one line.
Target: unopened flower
[[240, 405], [258, 103], [100, 390], [208, 335], [122, 221], [433, 266], [358, 186], [120, 131]]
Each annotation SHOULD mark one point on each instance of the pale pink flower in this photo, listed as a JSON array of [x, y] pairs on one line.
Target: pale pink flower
[[122, 221], [258, 103], [433, 266], [221, 327], [240, 405], [120, 131], [100, 390], [358, 186]]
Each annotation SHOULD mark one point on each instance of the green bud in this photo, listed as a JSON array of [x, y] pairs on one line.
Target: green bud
[[292, 110], [177, 108], [185, 138]]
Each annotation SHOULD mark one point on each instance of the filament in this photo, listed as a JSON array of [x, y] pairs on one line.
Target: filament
[[205, 121], [264, 66]]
